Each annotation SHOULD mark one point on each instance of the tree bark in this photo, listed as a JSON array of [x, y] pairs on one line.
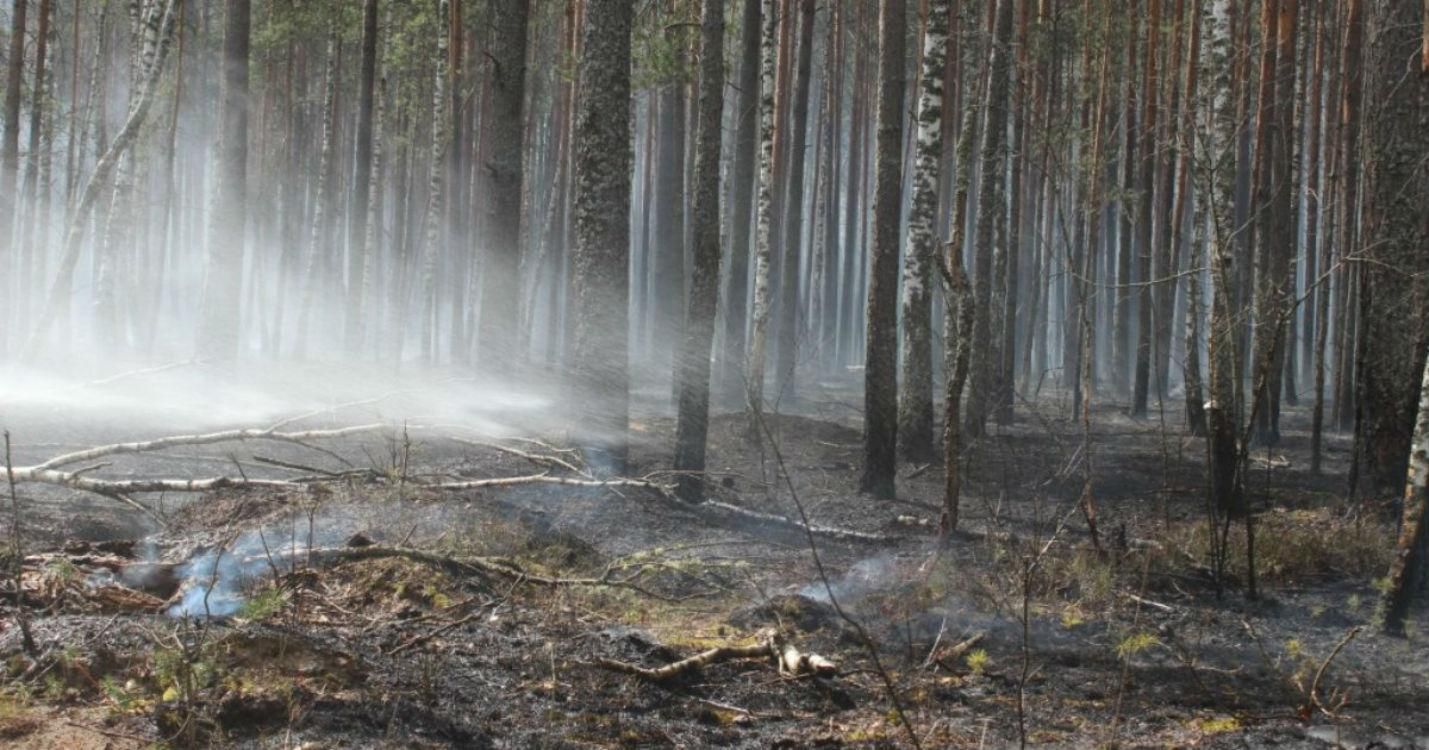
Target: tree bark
[[746, 144], [1396, 235], [769, 138], [793, 225], [1216, 172], [359, 258], [1191, 369], [915, 408], [600, 400], [1145, 184], [219, 336], [880, 428], [990, 207], [10, 151], [506, 169], [692, 425], [1408, 566]]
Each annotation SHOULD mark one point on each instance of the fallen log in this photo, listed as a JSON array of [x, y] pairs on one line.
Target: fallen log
[[224, 436], [948, 658], [786, 658], [476, 484]]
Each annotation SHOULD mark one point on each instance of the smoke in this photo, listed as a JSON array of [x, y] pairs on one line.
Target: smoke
[[213, 585], [866, 576], [214, 581]]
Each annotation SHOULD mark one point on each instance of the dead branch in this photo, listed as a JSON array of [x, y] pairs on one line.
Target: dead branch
[[427, 636], [551, 462], [137, 373], [480, 567], [799, 526]]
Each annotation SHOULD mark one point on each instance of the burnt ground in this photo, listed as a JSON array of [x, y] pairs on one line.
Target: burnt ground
[[1137, 645]]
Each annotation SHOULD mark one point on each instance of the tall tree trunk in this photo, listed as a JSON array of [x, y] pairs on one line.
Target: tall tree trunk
[[1167, 222], [793, 225], [219, 321], [10, 154], [1122, 356], [1319, 194], [667, 256], [1407, 568], [854, 195], [1396, 237], [746, 145], [506, 170], [1191, 369], [1006, 369], [990, 207], [1217, 177], [35, 190], [880, 384], [315, 277], [769, 138], [1346, 208], [1278, 240], [692, 426], [1147, 156], [823, 285], [600, 370], [359, 262], [915, 409]]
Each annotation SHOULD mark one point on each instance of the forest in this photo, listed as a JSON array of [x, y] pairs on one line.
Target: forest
[[714, 373]]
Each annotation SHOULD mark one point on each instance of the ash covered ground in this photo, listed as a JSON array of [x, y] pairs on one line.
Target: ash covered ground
[[365, 598]]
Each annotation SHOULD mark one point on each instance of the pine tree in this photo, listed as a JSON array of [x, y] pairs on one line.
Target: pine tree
[[601, 211], [692, 427], [880, 427], [219, 322]]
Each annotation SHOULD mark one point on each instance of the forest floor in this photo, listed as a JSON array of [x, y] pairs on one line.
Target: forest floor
[[316, 645]]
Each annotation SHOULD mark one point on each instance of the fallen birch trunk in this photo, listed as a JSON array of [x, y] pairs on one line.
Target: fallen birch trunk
[[785, 657]]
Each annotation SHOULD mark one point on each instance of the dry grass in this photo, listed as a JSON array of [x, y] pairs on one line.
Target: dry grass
[[1292, 547]]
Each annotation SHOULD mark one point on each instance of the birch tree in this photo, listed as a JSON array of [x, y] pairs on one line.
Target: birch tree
[[742, 173], [915, 409], [1408, 565], [158, 31], [764, 228]]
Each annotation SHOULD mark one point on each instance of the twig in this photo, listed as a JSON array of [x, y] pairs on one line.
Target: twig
[[804, 526], [1313, 693], [539, 460], [424, 637]]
